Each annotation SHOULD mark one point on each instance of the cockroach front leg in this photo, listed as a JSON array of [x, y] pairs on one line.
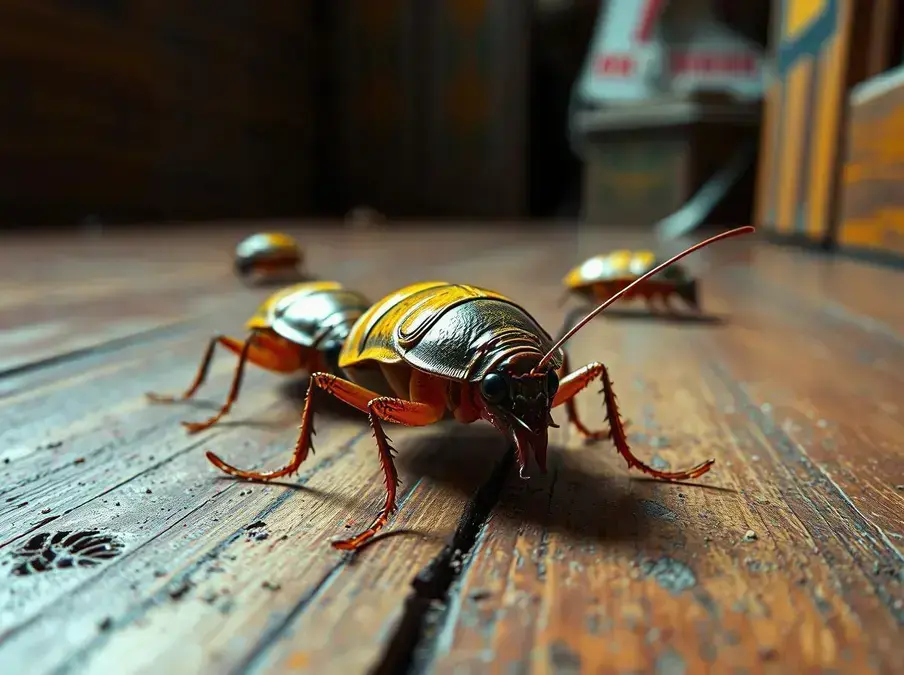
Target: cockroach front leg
[[570, 385], [408, 413]]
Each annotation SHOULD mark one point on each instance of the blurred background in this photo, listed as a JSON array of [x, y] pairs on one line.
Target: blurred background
[[618, 112]]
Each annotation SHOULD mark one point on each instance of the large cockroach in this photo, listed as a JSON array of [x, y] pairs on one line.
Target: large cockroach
[[435, 348]]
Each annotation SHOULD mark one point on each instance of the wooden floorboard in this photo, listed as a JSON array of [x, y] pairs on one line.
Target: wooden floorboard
[[792, 383]]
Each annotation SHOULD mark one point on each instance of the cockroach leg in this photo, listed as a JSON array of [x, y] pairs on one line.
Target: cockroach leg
[[230, 343], [578, 380], [390, 481], [302, 446], [570, 384], [195, 427], [408, 413]]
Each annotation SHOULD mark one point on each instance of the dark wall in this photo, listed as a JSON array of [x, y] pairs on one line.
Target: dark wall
[[204, 109], [559, 46], [432, 106], [168, 109]]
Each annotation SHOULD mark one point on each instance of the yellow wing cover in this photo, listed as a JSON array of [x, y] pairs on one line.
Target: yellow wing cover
[[261, 318], [278, 240], [406, 312], [614, 266]]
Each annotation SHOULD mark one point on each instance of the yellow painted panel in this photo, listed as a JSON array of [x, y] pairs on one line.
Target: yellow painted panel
[[792, 142], [764, 179], [825, 139], [799, 14], [885, 230], [825, 157]]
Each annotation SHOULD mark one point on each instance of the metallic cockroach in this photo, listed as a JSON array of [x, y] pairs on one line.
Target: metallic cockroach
[[604, 275], [268, 256], [301, 327], [435, 348]]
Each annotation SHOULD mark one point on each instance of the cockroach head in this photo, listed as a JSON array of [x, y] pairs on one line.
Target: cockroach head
[[517, 400]]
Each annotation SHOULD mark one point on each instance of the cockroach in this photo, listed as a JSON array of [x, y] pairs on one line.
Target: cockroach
[[268, 256], [299, 328], [434, 348], [604, 275]]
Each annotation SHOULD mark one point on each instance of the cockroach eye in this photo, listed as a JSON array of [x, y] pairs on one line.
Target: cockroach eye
[[494, 388], [552, 384]]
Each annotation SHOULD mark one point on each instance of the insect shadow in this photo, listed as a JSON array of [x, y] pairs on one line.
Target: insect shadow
[[292, 391], [622, 313], [575, 497]]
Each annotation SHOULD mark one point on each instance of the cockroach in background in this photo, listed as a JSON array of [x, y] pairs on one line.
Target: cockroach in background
[[268, 257]]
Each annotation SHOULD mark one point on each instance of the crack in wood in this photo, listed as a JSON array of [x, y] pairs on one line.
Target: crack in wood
[[276, 632], [412, 646]]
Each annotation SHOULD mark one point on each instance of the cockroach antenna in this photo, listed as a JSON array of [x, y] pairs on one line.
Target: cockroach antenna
[[747, 229]]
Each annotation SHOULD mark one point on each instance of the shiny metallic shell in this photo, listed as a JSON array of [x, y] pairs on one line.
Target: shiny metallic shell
[[454, 331], [621, 265], [265, 245], [304, 313]]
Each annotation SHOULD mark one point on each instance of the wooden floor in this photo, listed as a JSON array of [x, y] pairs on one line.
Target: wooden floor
[[785, 558]]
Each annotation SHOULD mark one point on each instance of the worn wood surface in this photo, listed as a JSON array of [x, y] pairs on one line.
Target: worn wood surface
[[793, 384]]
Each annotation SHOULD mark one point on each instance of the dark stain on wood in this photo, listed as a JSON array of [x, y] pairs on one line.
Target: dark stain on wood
[[657, 510], [65, 550], [673, 575]]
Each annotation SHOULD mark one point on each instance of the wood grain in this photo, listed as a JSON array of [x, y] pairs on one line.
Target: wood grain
[[791, 382]]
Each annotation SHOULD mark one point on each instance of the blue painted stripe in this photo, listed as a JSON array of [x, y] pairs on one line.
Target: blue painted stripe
[[811, 41]]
